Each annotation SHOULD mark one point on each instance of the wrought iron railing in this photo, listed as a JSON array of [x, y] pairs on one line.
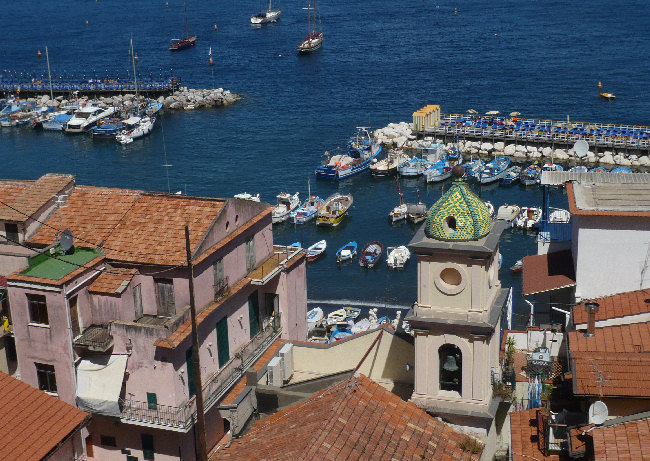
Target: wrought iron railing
[[162, 415]]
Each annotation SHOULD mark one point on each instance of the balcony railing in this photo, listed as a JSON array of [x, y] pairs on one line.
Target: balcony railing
[[214, 387]]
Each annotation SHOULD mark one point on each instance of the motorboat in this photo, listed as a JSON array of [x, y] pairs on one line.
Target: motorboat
[[314, 318], [307, 211], [107, 128], [334, 210], [286, 204], [558, 215], [439, 171], [530, 175], [508, 213], [371, 255], [413, 167], [494, 170], [86, 117], [264, 17], [511, 176], [397, 256], [135, 127], [352, 313], [529, 217], [416, 212], [362, 149], [517, 267], [247, 196], [398, 213], [57, 121], [316, 250], [609, 96], [347, 252], [552, 167], [389, 165]]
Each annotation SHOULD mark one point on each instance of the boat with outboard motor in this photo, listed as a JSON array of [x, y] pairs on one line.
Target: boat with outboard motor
[[530, 175], [346, 252], [397, 256], [286, 204], [86, 117], [316, 250], [494, 170], [335, 208], [361, 150]]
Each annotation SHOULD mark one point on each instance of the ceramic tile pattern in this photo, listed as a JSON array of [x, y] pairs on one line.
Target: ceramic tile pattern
[[524, 437], [616, 306], [353, 420], [32, 197], [629, 442], [33, 422]]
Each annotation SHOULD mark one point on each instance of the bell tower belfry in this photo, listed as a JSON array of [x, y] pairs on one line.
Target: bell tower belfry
[[457, 316]]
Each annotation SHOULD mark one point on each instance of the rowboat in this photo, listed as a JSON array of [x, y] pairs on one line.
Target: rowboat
[[494, 170], [335, 208], [530, 175], [371, 254], [316, 250], [346, 252], [397, 256], [517, 267]]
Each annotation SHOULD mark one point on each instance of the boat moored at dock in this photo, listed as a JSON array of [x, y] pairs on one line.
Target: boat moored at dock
[[362, 149], [286, 204], [86, 117], [494, 170]]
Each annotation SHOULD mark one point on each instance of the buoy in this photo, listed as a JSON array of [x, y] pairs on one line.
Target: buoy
[[135, 58], [167, 4], [86, 22], [211, 61], [455, 11], [496, 35], [215, 27], [38, 53], [600, 85]]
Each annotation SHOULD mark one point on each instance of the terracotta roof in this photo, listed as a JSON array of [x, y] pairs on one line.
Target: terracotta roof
[[630, 441], [548, 272], [616, 306], [32, 197], [620, 375], [524, 437], [605, 210], [634, 338], [134, 226], [580, 444], [112, 281], [356, 419], [33, 422]]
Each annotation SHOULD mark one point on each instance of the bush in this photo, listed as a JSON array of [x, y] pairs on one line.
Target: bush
[[470, 444]]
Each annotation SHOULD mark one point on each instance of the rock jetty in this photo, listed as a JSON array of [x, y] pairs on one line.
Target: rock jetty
[[183, 99], [402, 135]]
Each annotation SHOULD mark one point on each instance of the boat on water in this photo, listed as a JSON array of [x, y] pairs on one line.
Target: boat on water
[[439, 171], [264, 17], [362, 149], [552, 167], [511, 176], [399, 212], [530, 175], [286, 204], [177, 44], [42, 114], [416, 212], [579, 169], [508, 213], [371, 255], [314, 318], [621, 169], [334, 210], [86, 117], [247, 196], [397, 256], [57, 121], [107, 128], [598, 169], [494, 170], [352, 313], [529, 217], [316, 250], [453, 156], [473, 168], [558, 215], [347, 252], [517, 267], [314, 39], [490, 208], [413, 167], [609, 96], [135, 127], [307, 211], [389, 165]]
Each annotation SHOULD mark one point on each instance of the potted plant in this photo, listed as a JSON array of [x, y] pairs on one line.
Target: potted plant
[[509, 353], [546, 395]]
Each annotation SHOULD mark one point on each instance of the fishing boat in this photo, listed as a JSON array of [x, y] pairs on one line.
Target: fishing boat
[[334, 209], [558, 215], [578, 169], [399, 212], [107, 128], [361, 150], [346, 252], [508, 213], [57, 120], [473, 168], [371, 255], [621, 169], [286, 204], [517, 267], [413, 167], [529, 217], [314, 39], [264, 17], [86, 117], [494, 170], [388, 165], [316, 250], [183, 43], [530, 175], [314, 318], [454, 156], [439, 171], [247, 196], [307, 211], [511, 176], [397, 256], [135, 127], [416, 212]]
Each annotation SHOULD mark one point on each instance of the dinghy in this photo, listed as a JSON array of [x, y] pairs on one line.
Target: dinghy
[[316, 250], [508, 213], [346, 252], [371, 255], [397, 257]]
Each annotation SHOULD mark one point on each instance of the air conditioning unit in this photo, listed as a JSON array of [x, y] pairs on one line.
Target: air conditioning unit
[[286, 352], [275, 372]]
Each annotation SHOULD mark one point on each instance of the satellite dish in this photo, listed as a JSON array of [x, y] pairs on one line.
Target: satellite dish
[[598, 412], [66, 240], [581, 148]]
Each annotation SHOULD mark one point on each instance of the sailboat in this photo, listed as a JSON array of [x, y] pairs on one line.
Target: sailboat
[[182, 43], [314, 39], [269, 15]]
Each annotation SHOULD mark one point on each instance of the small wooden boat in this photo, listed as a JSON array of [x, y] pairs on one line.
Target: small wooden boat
[[335, 208], [511, 176], [398, 213], [286, 204], [530, 175], [388, 165], [607, 95], [528, 217], [494, 170], [346, 252], [397, 257], [518, 266], [508, 213], [316, 250], [371, 254]]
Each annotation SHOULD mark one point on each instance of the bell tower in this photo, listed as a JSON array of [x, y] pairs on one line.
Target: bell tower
[[457, 316]]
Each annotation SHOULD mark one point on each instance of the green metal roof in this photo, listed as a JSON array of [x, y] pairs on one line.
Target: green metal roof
[[57, 266]]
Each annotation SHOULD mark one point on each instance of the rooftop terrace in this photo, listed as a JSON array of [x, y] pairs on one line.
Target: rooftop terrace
[[57, 266]]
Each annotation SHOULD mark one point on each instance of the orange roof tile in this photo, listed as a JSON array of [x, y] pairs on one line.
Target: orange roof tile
[[33, 422], [634, 338], [32, 197], [629, 441], [134, 226], [613, 375], [356, 419], [548, 272], [616, 306], [524, 437], [111, 281]]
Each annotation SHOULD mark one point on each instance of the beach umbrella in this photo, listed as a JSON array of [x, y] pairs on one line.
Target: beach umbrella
[[472, 111], [492, 112], [515, 114]]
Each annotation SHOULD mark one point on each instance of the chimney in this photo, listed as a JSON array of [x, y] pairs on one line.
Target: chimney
[[591, 309]]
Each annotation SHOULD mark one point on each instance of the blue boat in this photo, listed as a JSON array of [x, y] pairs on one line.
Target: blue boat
[[552, 167], [307, 211], [414, 166], [511, 176], [362, 149], [439, 171], [454, 156], [473, 168], [622, 169], [153, 108], [346, 252], [494, 170], [339, 333], [530, 175], [598, 169], [107, 128]]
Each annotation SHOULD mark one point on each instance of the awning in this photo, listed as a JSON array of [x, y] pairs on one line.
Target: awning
[[548, 272], [99, 382]]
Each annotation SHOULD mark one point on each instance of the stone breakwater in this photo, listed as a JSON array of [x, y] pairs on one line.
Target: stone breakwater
[[183, 99], [402, 135]]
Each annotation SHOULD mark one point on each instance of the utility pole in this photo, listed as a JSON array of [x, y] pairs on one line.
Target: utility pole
[[201, 450]]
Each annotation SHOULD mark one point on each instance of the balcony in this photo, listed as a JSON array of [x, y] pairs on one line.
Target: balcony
[[95, 338], [275, 264], [215, 386]]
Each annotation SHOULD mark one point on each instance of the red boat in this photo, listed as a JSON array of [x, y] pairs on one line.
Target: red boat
[[371, 254], [517, 267], [182, 43]]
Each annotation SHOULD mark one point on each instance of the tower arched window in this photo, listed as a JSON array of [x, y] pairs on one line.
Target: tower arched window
[[451, 368]]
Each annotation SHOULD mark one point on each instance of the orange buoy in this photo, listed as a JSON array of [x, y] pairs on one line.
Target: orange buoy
[[600, 85], [215, 27], [211, 61], [86, 22], [38, 53]]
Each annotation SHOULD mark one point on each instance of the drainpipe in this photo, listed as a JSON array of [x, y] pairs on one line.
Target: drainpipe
[[591, 309]]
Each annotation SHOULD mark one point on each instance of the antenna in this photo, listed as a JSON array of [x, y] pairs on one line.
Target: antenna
[[67, 241], [581, 147], [60, 200], [598, 412]]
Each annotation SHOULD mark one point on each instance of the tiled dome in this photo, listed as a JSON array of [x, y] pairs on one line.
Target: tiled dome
[[459, 214]]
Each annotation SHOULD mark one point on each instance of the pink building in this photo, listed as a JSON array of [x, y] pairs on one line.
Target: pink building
[[106, 324]]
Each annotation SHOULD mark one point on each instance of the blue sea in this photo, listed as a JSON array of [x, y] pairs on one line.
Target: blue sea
[[380, 62]]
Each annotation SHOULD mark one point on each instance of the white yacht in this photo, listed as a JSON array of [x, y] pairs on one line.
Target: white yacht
[[264, 17], [86, 117], [135, 127]]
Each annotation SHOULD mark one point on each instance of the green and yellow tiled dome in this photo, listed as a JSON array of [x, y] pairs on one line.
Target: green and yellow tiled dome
[[458, 215]]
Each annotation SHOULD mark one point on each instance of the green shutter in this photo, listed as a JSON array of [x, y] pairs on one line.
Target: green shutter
[[190, 371], [254, 314], [152, 401], [147, 446], [223, 350]]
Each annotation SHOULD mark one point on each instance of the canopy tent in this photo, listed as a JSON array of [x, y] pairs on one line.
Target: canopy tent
[[99, 382]]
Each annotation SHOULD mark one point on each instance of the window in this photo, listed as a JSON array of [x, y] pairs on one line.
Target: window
[[46, 377], [223, 348], [137, 301], [152, 401], [254, 314], [165, 297], [11, 232], [451, 368], [250, 254], [107, 441], [220, 283], [74, 317], [37, 309], [147, 446]]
